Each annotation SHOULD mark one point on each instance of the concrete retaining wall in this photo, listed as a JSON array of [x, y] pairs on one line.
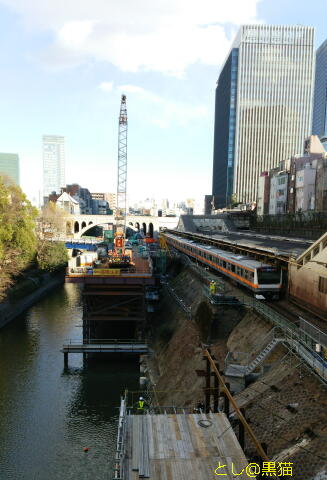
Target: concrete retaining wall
[[11, 310]]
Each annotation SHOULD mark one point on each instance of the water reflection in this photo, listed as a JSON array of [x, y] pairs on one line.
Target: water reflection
[[48, 416]]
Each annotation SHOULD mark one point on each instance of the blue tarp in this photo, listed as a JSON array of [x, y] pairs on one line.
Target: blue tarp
[[82, 246]]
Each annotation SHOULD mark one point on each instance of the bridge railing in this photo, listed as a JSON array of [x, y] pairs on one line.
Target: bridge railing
[[107, 272], [104, 341]]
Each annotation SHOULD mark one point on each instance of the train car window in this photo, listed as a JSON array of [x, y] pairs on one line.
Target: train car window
[[232, 267], [224, 264], [268, 275]]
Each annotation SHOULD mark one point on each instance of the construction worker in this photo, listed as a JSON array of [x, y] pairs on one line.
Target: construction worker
[[140, 406], [212, 287]]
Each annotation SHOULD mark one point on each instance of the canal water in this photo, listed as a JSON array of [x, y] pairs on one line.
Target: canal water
[[47, 416]]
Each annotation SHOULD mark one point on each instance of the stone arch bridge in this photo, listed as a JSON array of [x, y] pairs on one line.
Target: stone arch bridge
[[78, 225]]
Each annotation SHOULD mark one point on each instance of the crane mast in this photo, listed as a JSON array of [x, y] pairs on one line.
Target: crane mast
[[122, 177]]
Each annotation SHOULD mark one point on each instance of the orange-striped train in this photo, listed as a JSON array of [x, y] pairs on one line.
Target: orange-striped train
[[262, 279]]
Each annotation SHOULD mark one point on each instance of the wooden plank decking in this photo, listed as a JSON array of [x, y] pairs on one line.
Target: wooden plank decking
[[177, 447]]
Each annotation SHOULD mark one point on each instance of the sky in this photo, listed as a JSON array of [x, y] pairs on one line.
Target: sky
[[65, 64]]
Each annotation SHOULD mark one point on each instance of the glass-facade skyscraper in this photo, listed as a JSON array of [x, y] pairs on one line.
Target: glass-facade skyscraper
[[263, 111], [9, 165], [319, 120], [53, 163]]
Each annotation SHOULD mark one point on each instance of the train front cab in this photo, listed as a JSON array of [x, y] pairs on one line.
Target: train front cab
[[269, 281]]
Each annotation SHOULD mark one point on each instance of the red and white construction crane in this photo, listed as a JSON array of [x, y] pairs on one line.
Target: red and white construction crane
[[122, 178]]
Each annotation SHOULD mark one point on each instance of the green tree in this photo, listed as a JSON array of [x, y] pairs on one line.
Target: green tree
[[52, 256], [234, 201], [17, 232]]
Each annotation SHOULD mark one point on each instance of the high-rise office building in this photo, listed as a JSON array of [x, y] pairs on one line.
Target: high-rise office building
[[53, 164], [319, 119], [9, 165], [263, 107]]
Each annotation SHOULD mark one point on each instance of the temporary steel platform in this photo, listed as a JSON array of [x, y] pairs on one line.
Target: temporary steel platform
[[176, 446]]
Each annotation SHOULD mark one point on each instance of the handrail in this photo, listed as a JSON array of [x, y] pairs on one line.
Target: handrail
[[120, 446], [313, 331], [179, 300], [103, 341], [294, 335], [306, 334]]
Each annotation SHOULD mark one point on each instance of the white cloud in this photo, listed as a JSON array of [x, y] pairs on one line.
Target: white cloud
[[74, 34], [163, 112], [107, 86], [141, 92], [161, 35]]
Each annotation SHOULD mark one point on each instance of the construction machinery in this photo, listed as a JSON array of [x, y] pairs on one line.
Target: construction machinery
[[121, 179]]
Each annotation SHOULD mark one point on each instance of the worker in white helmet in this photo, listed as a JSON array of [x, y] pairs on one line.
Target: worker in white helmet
[[212, 287], [140, 406]]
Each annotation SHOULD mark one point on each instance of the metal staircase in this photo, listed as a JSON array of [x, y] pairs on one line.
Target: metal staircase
[[238, 369], [262, 355]]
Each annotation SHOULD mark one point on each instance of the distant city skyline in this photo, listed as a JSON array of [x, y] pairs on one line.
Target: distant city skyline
[[64, 67], [263, 107]]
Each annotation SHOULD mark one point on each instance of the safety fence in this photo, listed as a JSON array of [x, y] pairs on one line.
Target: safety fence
[[105, 346], [119, 473], [104, 341], [179, 300], [108, 272], [305, 339]]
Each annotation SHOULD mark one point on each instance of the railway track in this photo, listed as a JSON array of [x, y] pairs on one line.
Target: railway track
[[293, 313]]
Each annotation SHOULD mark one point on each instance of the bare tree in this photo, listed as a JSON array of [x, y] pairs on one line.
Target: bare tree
[[52, 221]]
